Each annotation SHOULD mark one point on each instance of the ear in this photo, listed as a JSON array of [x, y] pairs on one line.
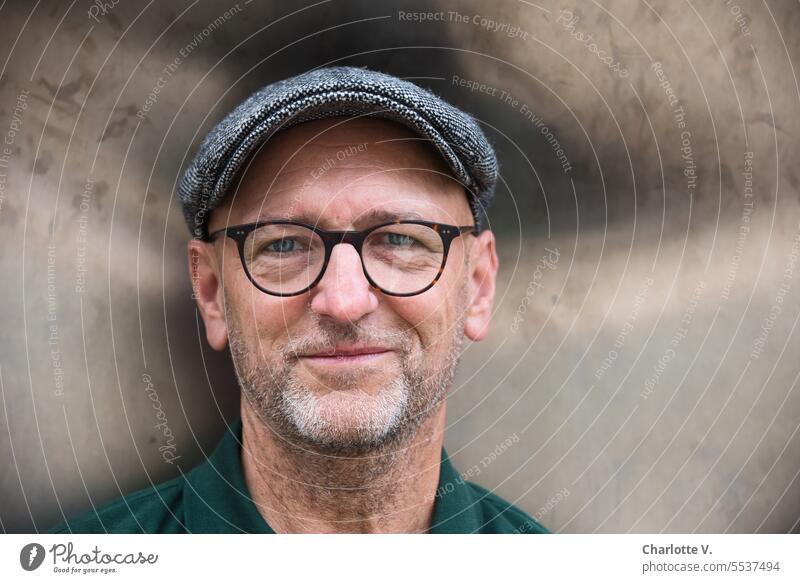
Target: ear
[[481, 280], [207, 291]]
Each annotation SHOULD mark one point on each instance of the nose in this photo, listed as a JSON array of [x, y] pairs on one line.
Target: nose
[[344, 293]]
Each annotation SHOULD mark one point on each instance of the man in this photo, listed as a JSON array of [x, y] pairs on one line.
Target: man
[[344, 261]]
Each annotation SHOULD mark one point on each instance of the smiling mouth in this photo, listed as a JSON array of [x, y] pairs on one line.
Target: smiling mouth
[[347, 358]]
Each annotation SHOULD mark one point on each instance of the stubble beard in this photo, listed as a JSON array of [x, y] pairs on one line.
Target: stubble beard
[[346, 420]]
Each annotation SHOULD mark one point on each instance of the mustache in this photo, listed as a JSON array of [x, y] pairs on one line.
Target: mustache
[[327, 338]]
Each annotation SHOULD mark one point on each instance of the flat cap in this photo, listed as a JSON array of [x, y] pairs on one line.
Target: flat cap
[[334, 92]]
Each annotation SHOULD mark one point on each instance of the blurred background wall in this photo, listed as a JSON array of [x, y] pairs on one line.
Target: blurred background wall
[[641, 370]]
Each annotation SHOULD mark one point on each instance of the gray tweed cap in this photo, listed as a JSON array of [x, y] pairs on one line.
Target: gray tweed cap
[[330, 92]]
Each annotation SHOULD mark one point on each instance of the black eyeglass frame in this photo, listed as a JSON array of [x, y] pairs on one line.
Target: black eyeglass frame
[[447, 233]]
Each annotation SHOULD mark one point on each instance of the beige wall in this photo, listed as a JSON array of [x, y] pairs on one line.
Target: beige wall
[[644, 381]]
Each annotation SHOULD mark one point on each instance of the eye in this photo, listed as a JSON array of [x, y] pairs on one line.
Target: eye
[[283, 245], [400, 240]]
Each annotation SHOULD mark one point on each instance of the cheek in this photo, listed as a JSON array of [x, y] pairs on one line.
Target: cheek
[[266, 320], [430, 315]]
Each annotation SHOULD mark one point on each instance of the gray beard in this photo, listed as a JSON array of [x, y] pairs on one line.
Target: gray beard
[[346, 421]]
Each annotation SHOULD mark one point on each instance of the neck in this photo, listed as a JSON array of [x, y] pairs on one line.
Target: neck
[[299, 490]]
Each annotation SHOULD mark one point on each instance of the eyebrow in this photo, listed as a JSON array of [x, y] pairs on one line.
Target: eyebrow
[[371, 217]]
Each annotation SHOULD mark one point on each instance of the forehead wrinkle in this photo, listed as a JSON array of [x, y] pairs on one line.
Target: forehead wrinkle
[[307, 203]]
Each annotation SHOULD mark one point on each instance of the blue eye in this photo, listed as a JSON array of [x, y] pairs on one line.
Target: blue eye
[[399, 239], [281, 245]]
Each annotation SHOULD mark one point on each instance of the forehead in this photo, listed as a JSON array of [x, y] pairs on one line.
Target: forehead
[[344, 172]]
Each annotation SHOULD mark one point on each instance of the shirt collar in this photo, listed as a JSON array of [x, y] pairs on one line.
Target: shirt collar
[[217, 498], [218, 501], [455, 508]]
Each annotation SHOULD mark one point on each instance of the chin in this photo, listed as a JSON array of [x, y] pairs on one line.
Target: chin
[[345, 419]]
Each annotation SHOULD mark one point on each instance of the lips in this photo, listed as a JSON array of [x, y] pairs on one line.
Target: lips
[[348, 351], [352, 354]]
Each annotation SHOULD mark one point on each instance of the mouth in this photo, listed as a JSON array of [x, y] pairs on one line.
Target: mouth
[[348, 355]]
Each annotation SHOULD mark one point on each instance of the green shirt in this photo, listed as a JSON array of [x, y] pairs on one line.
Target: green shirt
[[213, 498]]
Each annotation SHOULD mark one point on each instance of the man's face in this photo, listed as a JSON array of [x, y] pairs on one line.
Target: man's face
[[336, 174]]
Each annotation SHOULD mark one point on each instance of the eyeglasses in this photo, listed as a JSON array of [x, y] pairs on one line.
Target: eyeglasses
[[400, 258]]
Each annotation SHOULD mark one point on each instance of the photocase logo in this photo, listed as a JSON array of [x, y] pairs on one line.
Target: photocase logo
[[31, 556]]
